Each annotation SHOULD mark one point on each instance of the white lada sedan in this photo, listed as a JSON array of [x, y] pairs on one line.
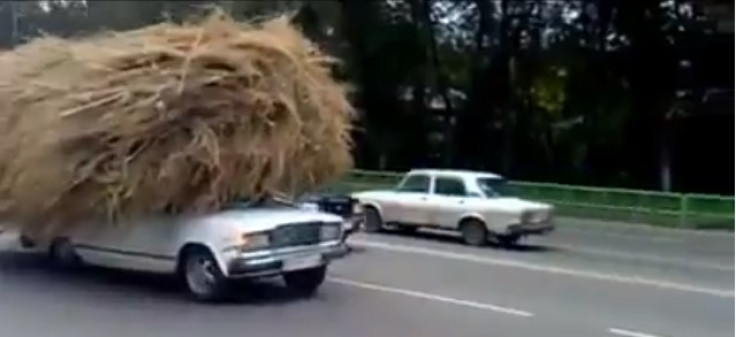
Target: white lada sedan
[[246, 240], [468, 201]]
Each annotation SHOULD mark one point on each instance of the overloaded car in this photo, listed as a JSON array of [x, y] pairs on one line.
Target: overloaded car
[[250, 239], [473, 203]]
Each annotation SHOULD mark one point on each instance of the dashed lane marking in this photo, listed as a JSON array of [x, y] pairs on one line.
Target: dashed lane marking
[[608, 277], [629, 333], [431, 297]]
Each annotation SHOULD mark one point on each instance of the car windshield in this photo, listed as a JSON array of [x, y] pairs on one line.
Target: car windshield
[[267, 201], [493, 187]]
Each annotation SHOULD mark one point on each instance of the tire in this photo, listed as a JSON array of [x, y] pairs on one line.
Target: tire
[[373, 222], [202, 276], [508, 240], [306, 282], [26, 242], [474, 233], [62, 254]]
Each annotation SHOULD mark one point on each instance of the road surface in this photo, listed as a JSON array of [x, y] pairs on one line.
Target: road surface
[[584, 280]]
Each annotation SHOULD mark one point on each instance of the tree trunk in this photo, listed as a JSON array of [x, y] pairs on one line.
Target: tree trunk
[[441, 82], [419, 90], [509, 65], [473, 118]]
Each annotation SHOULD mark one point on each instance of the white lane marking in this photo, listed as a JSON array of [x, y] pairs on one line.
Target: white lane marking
[[610, 277], [604, 252], [652, 258], [432, 297], [629, 333], [640, 237]]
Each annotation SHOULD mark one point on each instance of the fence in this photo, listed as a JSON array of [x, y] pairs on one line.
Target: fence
[[636, 206]]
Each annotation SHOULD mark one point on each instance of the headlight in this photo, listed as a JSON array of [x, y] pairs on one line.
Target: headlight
[[330, 231], [254, 241]]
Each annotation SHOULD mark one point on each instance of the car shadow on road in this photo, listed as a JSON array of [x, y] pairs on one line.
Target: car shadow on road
[[454, 238], [31, 269]]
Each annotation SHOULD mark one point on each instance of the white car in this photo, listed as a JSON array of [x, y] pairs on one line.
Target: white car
[[246, 240], [471, 202]]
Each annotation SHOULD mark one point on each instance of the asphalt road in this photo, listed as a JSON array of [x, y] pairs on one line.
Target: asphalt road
[[584, 280]]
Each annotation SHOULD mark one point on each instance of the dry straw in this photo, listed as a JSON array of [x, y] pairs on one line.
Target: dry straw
[[168, 118]]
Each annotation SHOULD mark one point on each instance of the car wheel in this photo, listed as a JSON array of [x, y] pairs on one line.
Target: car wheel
[[373, 221], [62, 254], [508, 240], [307, 281], [474, 233], [203, 277], [26, 242]]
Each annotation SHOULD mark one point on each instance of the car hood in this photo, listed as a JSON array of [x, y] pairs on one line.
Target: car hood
[[267, 218]]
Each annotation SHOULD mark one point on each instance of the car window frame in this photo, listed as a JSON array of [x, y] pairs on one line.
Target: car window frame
[[410, 176], [503, 180], [466, 190]]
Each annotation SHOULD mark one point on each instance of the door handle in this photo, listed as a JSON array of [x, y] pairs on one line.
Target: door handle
[[424, 199]]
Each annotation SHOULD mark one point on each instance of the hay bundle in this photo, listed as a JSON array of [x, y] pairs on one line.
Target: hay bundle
[[168, 118]]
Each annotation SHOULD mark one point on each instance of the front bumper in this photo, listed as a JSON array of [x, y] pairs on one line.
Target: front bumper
[[531, 228], [353, 223], [274, 262]]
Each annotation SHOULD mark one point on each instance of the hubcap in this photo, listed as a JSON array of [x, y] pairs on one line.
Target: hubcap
[[200, 275], [474, 234]]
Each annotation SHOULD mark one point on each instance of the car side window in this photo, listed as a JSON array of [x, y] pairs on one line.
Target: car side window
[[415, 183], [452, 187]]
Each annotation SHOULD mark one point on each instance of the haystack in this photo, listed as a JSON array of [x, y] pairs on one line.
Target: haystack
[[168, 118]]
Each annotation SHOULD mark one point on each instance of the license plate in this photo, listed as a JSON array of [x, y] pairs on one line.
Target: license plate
[[302, 262]]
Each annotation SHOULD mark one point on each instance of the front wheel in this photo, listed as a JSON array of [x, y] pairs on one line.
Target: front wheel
[[203, 277], [373, 222], [307, 281], [62, 254], [474, 233]]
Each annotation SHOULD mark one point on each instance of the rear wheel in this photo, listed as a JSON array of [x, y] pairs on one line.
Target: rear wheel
[[474, 232], [202, 276], [63, 255], [373, 221], [307, 281]]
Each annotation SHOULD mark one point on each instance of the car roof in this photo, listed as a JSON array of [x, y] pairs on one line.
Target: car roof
[[463, 173]]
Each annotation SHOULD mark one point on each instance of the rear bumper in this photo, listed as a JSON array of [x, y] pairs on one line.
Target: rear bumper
[[274, 263], [539, 228]]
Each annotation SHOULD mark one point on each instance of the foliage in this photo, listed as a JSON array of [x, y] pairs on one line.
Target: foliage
[[578, 91]]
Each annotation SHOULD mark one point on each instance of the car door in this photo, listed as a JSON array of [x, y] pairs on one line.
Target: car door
[[411, 206], [447, 203], [136, 244], [149, 243]]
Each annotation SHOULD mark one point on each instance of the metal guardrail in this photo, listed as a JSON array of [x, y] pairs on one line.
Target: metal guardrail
[[638, 206]]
